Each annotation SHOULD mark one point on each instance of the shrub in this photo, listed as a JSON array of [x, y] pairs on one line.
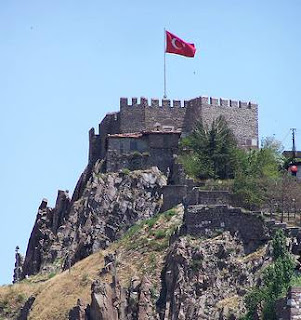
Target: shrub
[[126, 171], [276, 280]]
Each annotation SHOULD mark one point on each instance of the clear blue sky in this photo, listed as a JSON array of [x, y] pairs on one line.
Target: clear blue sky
[[64, 64]]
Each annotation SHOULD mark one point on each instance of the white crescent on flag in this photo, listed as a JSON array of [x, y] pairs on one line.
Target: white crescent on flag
[[173, 42], [176, 45]]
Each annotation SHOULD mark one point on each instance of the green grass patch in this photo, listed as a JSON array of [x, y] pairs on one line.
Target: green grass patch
[[133, 230], [160, 234], [51, 275], [126, 171], [158, 245], [169, 214], [151, 222]]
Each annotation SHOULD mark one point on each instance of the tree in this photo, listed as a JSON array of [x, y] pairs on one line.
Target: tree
[[276, 280], [255, 174], [286, 193], [209, 152]]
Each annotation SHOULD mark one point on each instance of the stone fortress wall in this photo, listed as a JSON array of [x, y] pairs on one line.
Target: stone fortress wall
[[242, 117], [146, 116], [172, 116]]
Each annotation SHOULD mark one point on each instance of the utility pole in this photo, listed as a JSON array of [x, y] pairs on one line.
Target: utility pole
[[294, 145]]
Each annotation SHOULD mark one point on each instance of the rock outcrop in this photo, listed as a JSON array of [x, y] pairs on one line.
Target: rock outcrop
[[111, 301], [23, 315], [207, 279], [109, 204], [79, 312], [18, 266], [44, 234]]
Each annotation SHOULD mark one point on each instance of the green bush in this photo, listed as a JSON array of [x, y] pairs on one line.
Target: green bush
[[126, 171], [256, 173], [276, 280]]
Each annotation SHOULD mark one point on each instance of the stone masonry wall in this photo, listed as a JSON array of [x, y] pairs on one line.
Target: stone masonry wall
[[145, 116], [175, 115], [145, 151], [242, 117], [127, 145], [206, 197], [97, 142], [199, 220], [94, 146], [194, 113], [172, 196], [294, 303], [109, 125], [132, 117], [168, 114]]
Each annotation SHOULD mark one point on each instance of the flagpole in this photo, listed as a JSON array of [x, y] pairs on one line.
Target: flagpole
[[164, 96]]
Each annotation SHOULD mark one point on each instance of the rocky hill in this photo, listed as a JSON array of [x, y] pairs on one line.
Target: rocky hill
[[109, 204], [147, 274], [110, 253]]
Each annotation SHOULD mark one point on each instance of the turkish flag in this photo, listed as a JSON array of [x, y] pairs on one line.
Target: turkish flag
[[178, 46]]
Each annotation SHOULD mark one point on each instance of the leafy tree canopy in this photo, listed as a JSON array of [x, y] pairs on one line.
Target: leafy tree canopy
[[209, 152]]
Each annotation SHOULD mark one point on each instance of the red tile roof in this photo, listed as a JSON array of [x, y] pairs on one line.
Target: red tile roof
[[140, 134]]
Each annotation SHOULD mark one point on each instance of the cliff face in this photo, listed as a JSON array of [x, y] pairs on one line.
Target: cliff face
[[207, 279], [200, 279], [107, 206], [197, 264], [151, 272]]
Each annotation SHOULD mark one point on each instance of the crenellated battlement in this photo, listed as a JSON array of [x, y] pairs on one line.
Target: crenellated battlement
[[221, 102], [154, 103], [142, 114], [167, 103]]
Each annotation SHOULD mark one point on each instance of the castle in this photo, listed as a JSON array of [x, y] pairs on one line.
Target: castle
[[143, 134]]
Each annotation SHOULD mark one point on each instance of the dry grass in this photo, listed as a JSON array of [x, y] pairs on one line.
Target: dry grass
[[231, 302], [140, 252], [256, 255], [56, 296], [60, 293], [13, 297]]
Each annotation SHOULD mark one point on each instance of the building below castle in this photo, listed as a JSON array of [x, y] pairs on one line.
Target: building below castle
[[143, 134]]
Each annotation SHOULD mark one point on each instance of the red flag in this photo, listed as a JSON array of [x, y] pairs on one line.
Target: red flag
[[178, 46]]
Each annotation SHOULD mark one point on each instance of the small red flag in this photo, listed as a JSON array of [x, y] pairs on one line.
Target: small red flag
[[178, 46]]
